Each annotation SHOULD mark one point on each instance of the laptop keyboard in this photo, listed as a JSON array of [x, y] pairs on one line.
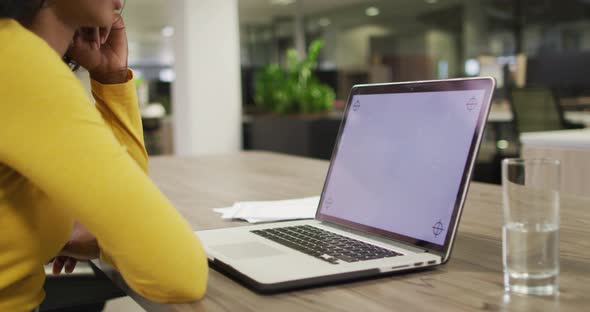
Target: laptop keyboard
[[325, 245]]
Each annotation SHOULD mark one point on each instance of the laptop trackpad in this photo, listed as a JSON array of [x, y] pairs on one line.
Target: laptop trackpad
[[249, 250]]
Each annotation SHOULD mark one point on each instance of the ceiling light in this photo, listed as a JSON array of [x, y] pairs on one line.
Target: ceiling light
[[167, 75], [372, 11], [168, 31], [472, 67], [431, 1], [281, 2], [503, 144], [324, 22]]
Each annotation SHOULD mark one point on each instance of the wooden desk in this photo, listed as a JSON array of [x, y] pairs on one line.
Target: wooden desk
[[501, 113], [579, 103], [472, 281]]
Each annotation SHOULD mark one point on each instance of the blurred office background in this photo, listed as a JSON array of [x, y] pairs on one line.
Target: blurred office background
[[198, 66], [206, 88]]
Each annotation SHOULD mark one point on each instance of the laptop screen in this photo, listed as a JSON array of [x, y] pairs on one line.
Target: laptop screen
[[401, 160]]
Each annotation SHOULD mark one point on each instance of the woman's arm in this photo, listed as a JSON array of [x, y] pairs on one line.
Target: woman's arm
[[118, 106], [53, 137]]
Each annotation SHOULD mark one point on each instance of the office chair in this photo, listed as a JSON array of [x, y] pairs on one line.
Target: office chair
[[88, 290], [537, 109]]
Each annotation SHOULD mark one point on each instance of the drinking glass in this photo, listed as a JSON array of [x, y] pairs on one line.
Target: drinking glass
[[530, 241]]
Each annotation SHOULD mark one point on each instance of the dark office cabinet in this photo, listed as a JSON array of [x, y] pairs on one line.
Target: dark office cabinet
[[301, 135]]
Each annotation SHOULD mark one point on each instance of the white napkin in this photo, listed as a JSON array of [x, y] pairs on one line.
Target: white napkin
[[272, 211]]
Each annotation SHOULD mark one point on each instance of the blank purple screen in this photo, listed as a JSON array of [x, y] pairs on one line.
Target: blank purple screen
[[401, 159]]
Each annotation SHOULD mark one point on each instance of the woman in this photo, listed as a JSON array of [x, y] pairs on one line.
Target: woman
[[64, 161]]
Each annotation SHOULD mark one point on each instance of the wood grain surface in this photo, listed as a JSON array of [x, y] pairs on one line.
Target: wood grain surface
[[471, 281]]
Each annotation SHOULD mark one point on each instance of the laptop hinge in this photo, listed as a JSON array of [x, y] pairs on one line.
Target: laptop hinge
[[386, 240], [435, 252]]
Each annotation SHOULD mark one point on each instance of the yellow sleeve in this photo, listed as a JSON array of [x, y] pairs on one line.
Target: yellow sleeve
[[53, 136], [119, 109], [118, 106]]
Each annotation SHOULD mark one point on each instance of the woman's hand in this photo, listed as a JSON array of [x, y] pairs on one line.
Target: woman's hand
[[103, 52], [82, 246]]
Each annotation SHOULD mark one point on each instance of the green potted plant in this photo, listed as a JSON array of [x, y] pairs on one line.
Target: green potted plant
[[295, 105], [295, 90]]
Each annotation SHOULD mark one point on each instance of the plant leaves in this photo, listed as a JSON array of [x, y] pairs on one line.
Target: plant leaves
[[294, 90]]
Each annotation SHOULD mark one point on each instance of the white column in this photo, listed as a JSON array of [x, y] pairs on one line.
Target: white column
[[299, 31], [474, 30], [206, 95]]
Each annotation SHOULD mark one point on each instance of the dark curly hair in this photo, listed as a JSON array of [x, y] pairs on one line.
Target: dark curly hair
[[21, 10]]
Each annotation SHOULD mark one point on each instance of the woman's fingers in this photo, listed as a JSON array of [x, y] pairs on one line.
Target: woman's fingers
[[83, 50], [104, 34], [96, 38], [61, 263], [90, 36], [58, 265], [70, 265], [117, 37], [85, 38], [102, 51]]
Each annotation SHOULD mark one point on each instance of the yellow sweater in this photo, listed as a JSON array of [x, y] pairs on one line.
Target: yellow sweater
[[63, 159]]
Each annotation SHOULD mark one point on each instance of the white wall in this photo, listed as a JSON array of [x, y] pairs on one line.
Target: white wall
[[353, 46], [206, 95], [84, 77], [441, 47], [475, 29]]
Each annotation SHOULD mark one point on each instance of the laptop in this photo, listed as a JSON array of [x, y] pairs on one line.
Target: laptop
[[392, 198]]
